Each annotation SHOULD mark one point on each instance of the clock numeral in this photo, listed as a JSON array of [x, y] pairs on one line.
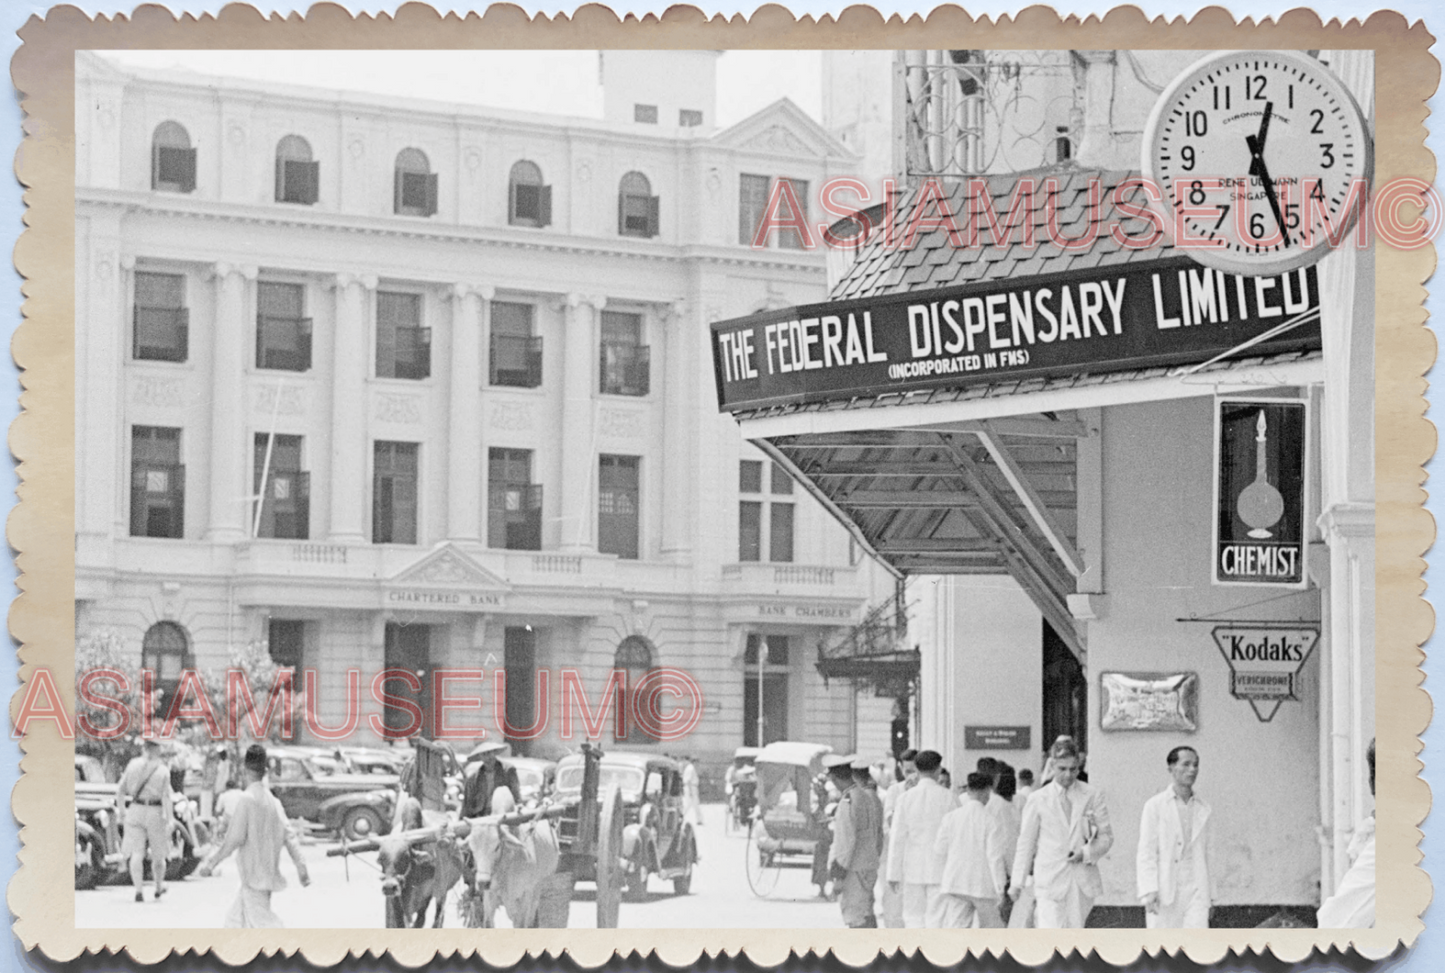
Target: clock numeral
[[1187, 154], [1196, 123], [1226, 96], [1196, 193], [1328, 161], [1256, 225], [1223, 212], [1319, 117], [1254, 87], [1291, 216], [1317, 191]]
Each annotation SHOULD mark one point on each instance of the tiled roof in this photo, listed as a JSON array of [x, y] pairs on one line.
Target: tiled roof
[[883, 267]]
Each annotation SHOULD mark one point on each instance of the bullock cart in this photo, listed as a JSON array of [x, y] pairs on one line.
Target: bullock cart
[[587, 830]]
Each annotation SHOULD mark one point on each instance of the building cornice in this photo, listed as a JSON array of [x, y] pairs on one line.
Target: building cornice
[[280, 216]]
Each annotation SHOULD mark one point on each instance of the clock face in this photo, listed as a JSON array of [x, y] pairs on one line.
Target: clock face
[[1262, 155]]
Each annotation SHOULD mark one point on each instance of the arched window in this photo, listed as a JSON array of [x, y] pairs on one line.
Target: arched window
[[414, 186], [636, 207], [166, 651], [529, 203], [173, 161], [297, 177], [636, 657]]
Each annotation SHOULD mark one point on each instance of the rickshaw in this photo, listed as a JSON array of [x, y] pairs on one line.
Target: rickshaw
[[742, 788], [790, 828]]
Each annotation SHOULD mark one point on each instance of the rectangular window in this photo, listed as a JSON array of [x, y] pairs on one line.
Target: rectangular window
[[688, 118], [750, 476], [752, 203], [780, 532], [516, 353], [394, 493], [407, 646], [161, 322], [750, 530], [283, 491], [283, 332], [173, 168], [646, 114], [625, 360], [530, 205], [157, 483], [638, 215], [792, 239], [403, 346], [286, 641], [752, 527], [297, 181], [514, 502], [414, 193], [777, 650], [617, 506]]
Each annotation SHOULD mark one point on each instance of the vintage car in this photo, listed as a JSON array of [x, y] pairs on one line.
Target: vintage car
[[317, 788], [657, 838], [375, 760], [99, 828]]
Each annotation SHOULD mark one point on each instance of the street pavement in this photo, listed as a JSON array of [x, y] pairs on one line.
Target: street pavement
[[345, 893]]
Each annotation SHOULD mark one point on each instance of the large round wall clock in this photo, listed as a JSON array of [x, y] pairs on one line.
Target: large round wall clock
[[1261, 153]]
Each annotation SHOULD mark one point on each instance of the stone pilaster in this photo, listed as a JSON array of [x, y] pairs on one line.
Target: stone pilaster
[[578, 489], [230, 453], [679, 437], [470, 309], [349, 462]]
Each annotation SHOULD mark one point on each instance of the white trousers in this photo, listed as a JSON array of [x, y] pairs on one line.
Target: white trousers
[[1190, 908], [1070, 912], [920, 906]]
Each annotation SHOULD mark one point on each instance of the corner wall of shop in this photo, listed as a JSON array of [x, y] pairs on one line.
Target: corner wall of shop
[[1260, 778]]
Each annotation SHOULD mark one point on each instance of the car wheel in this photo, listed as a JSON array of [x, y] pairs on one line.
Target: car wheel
[[89, 862], [360, 823], [682, 884]]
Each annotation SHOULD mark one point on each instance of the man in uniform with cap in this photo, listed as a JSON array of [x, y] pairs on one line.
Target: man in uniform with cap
[[146, 784], [857, 844], [483, 774]]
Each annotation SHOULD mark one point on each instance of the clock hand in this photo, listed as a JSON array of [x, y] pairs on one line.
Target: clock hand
[[1258, 168]]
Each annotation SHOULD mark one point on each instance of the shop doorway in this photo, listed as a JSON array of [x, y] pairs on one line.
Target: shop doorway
[[765, 690], [519, 656], [1066, 693], [408, 647]]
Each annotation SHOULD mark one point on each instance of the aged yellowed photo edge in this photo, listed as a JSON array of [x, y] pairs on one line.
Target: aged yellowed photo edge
[[41, 527]]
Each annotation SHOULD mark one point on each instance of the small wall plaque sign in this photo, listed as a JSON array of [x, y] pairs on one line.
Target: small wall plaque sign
[[1149, 701]]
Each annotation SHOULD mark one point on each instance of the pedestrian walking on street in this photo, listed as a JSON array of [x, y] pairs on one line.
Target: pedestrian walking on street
[[890, 899], [972, 844], [855, 853], [914, 870], [1173, 860], [146, 785], [691, 797], [1026, 784], [257, 832], [1065, 832]]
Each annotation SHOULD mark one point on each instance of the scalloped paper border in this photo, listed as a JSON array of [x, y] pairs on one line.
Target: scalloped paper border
[[41, 527]]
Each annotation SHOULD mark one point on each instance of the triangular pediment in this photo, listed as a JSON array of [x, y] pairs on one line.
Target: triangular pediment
[[783, 128], [448, 567]]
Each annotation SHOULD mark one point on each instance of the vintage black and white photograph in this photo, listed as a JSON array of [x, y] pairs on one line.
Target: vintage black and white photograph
[[901, 489]]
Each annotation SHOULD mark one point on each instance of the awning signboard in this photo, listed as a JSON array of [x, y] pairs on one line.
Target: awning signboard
[[1102, 319]]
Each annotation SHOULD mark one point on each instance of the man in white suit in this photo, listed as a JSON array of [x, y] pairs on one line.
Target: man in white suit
[[913, 869], [972, 843], [1065, 832], [1173, 861]]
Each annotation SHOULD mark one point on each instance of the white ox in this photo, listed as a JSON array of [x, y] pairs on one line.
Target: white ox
[[512, 862]]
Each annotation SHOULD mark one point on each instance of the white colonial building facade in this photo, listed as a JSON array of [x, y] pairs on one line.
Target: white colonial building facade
[[390, 385]]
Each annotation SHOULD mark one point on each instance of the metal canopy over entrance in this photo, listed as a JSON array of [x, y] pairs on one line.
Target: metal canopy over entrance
[[989, 497]]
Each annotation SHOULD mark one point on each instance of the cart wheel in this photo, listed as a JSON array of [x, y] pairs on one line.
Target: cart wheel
[[764, 869], [609, 858]]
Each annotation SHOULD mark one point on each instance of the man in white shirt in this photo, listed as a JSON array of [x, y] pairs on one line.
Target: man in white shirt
[[1065, 832], [1173, 863], [971, 842], [913, 868], [890, 901]]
